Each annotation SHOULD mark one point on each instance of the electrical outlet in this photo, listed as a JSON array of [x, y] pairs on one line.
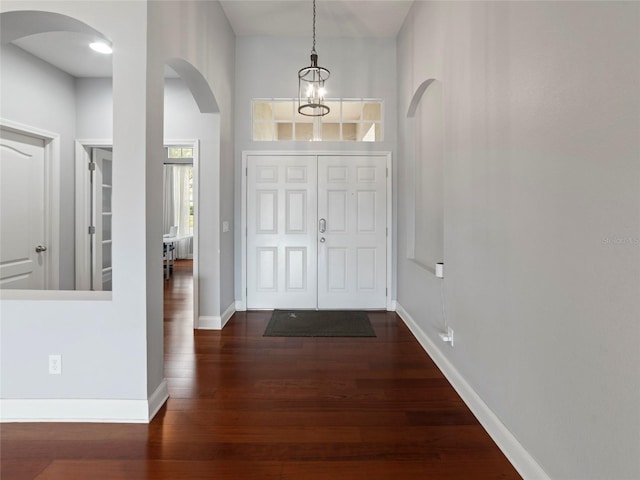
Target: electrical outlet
[[447, 337], [55, 364]]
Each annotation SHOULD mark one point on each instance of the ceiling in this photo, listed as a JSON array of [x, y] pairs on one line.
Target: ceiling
[[335, 18], [283, 18], [69, 52]]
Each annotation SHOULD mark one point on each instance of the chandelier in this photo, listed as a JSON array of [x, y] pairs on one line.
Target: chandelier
[[311, 80]]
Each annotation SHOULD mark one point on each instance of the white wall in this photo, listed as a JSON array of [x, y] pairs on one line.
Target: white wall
[[103, 343], [267, 67], [542, 219], [37, 94]]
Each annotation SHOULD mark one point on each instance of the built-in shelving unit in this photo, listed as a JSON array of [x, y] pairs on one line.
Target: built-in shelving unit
[[106, 214]]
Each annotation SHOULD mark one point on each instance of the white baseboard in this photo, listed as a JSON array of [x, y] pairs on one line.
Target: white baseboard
[[83, 410], [157, 399], [240, 307], [522, 461], [214, 322], [209, 322], [227, 314]]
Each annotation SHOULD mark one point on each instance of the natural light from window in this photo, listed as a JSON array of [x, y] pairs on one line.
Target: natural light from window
[[349, 120]]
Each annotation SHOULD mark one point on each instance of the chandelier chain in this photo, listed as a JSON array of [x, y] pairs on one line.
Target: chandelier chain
[[311, 80], [313, 50]]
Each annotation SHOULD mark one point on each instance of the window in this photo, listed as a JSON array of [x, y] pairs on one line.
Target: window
[[180, 152], [178, 206], [350, 120]]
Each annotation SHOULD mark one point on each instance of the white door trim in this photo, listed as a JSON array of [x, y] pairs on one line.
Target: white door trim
[[83, 158], [51, 196], [242, 305]]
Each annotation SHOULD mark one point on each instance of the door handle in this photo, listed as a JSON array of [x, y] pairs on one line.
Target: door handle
[[41, 248], [323, 225], [322, 239]]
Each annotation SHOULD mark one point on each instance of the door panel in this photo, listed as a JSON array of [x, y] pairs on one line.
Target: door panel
[[281, 232], [296, 212], [352, 258], [366, 269], [296, 268], [22, 226], [337, 210], [267, 207]]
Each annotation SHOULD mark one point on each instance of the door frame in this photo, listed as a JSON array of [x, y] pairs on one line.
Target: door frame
[[242, 305], [51, 196], [83, 158], [195, 144]]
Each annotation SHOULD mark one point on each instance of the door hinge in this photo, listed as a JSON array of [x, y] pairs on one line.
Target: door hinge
[[246, 172], [387, 231], [386, 292], [387, 172], [92, 230], [92, 166]]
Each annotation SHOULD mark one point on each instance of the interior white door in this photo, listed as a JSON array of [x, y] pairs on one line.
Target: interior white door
[[281, 232], [101, 192], [22, 222], [352, 222]]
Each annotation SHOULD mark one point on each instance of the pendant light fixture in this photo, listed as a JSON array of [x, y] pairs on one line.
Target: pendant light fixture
[[311, 80]]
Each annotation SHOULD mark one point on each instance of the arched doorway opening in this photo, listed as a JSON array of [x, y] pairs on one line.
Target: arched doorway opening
[[192, 128]]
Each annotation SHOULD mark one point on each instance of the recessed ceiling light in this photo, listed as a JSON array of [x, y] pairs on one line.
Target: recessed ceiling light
[[101, 47]]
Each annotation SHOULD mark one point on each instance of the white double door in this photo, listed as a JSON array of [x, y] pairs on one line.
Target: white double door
[[316, 232]]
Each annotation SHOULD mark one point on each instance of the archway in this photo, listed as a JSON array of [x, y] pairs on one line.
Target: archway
[[192, 122], [426, 219], [22, 23]]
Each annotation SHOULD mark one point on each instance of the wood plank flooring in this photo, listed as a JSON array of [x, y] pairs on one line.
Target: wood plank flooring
[[249, 407]]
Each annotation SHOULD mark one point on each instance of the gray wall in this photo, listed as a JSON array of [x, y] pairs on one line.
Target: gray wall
[[541, 219], [94, 108], [201, 35], [182, 121], [77, 325], [127, 329], [267, 67], [37, 94]]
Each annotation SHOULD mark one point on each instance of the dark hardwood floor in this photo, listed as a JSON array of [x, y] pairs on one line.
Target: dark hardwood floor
[[244, 406]]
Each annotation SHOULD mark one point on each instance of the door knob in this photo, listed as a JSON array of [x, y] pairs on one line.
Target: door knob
[[41, 248], [322, 240]]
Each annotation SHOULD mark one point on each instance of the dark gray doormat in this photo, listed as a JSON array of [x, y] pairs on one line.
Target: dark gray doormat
[[319, 323]]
